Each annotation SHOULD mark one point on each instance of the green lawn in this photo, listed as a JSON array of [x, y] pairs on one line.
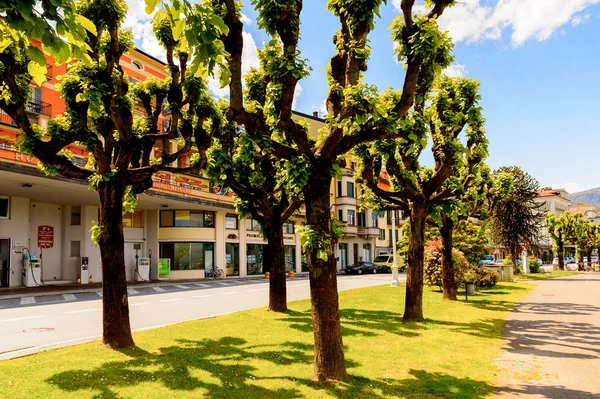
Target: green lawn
[[542, 276], [257, 354]]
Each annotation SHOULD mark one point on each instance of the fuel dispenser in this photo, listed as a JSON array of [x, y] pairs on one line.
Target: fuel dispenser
[[32, 270], [84, 273]]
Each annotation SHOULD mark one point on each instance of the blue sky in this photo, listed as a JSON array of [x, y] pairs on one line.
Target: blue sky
[[538, 62]]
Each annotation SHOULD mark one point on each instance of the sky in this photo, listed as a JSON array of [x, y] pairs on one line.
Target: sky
[[538, 62]]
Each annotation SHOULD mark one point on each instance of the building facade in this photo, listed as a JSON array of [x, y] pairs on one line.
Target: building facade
[[181, 221]]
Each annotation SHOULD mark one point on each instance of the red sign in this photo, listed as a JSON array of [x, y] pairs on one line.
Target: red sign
[[496, 252], [45, 237]]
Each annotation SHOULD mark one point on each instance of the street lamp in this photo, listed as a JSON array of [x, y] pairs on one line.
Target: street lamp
[[395, 282]]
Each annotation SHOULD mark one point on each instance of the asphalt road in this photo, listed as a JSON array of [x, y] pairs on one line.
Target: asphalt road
[[33, 324]]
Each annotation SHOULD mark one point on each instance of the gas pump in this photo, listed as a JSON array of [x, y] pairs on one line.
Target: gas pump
[[85, 261], [32, 270]]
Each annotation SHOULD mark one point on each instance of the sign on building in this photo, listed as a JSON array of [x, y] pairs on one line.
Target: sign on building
[[45, 237]]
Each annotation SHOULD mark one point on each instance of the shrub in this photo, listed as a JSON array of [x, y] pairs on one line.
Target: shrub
[[534, 266], [433, 264], [484, 277]]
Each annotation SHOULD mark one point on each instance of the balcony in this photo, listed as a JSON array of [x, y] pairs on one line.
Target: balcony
[[39, 108], [370, 232], [350, 231], [351, 201]]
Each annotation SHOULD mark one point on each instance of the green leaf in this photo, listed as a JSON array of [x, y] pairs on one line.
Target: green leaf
[[37, 72], [87, 24], [151, 6], [36, 55], [178, 29]]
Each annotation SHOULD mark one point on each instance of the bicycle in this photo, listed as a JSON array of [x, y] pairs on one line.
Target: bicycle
[[215, 273]]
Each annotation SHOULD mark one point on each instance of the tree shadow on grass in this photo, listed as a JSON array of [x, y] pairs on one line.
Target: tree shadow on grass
[[224, 363], [359, 322]]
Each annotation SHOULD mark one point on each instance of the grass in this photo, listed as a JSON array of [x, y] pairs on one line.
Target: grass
[[543, 276], [257, 354]]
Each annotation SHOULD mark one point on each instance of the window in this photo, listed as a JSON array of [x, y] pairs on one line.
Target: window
[[381, 234], [75, 216], [187, 219], [254, 258], [231, 222], [288, 228], [232, 259], [134, 219], [362, 219], [165, 126], [351, 221], [375, 220], [189, 255], [339, 188], [75, 249], [350, 188], [4, 208], [290, 258], [341, 215], [252, 225], [132, 81], [137, 65]]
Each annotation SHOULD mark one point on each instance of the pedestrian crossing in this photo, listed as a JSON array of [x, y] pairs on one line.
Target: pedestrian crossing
[[137, 291]]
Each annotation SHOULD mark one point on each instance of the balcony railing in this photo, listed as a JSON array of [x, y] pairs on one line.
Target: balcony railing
[[40, 108]]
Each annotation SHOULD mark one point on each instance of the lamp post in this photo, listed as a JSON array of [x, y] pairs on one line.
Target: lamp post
[[395, 282]]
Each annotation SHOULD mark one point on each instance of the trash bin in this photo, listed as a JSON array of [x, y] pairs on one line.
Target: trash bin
[[471, 288]]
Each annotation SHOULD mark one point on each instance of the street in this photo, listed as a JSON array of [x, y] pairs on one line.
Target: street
[[32, 324]]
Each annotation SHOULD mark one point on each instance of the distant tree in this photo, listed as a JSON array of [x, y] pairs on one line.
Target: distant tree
[[560, 230], [124, 150], [516, 221], [584, 235]]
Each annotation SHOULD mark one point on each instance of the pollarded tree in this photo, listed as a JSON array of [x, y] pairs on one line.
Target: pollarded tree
[[583, 234], [441, 114], [516, 220], [560, 229], [125, 151], [357, 113], [267, 187]]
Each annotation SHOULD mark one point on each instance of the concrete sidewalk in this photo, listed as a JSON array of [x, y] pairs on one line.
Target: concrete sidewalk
[[46, 290], [552, 341]]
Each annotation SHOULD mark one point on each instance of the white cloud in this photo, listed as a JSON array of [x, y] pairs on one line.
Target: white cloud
[[245, 19], [578, 19], [455, 71], [297, 93], [140, 24], [472, 20], [571, 187]]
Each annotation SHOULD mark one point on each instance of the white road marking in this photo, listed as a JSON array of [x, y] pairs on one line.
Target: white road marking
[[69, 297], [256, 290], [131, 291], [28, 300], [22, 318], [99, 293], [137, 304], [202, 285], [183, 287], [172, 300], [230, 293], [202, 296], [82, 311], [220, 283], [158, 289]]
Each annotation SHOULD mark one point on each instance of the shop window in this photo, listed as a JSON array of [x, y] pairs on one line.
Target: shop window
[[232, 259], [133, 219], [189, 255], [288, 228], [187, 219], [231, 222], [252, 225], [254, 258], [75, 249], [290, 258], [4, 207], [75, 216]]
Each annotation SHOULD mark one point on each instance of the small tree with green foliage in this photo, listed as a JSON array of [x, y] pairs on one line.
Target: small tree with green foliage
[[559, 229]]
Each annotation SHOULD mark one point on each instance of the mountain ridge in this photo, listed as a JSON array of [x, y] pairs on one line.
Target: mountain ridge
[[591, 196]]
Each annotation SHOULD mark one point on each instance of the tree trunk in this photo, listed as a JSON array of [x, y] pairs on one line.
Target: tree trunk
[[413, 310], [274, 258], [116, 330], [514, 255], [561, 258], [448, 279], [589, 257], [329, 349]]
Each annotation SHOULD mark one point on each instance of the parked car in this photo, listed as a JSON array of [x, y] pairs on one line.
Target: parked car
[[362, 267], [568, 259], [386, 261], [488, 260]]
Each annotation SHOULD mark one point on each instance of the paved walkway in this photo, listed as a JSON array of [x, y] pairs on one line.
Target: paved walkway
[[552, 347]]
